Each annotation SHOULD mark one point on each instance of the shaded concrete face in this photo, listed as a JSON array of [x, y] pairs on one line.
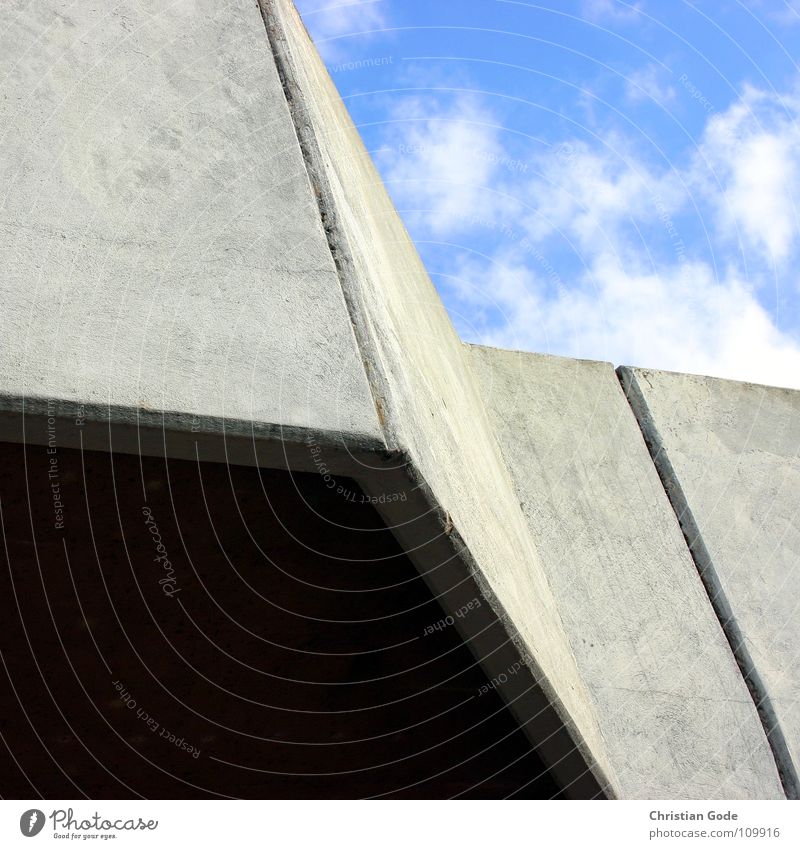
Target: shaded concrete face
[[162, 249], [671, 704], [729, 454], [289, 650]]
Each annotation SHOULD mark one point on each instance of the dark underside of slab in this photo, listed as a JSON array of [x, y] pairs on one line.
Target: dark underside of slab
[[277, 649]]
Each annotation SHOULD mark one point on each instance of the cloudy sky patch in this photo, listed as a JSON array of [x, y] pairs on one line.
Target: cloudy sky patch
[[597, 179]]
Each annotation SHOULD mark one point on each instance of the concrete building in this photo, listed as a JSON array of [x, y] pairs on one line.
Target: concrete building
[[272, 529]]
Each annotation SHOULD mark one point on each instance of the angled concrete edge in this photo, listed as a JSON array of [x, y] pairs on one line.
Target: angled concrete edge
[[219, 274], [426, 395], [700, 431], [666, 690], [186, 435]]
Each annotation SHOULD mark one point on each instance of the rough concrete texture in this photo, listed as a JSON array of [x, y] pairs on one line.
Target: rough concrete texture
[[420, 374], [674, 711], [729, 456], [196, 243], [162, 249]]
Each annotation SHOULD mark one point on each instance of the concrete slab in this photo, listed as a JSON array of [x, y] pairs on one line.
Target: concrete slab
[[673, 709], [427, 394], [161, 246], [729, 456], [200, 261]]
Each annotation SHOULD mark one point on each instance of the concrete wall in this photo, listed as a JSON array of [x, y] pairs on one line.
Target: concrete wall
[[162, 249], [673, 709], [729, 456], [198, 253]]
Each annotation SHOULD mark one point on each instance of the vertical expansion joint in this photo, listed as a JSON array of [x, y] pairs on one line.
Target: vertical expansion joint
[[711, 582]]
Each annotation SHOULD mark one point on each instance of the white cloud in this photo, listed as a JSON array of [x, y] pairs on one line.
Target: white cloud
[[592, 192], [443, 159], [752, 151], [330, 23], [599, 254], [682, 320]]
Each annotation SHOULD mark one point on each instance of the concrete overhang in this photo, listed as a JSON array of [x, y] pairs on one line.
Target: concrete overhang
[[203, 264]]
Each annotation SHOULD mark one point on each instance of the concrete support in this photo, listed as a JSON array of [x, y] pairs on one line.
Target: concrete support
[[200, 261], [425, 390], [671, 705], [728, 454]]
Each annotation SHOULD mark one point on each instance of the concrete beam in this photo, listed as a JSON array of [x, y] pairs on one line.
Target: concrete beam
[[162, 248], [728, 454], [428, 397]]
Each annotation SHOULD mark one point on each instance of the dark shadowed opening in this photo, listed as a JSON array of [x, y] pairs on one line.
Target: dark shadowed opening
[[174, 629]]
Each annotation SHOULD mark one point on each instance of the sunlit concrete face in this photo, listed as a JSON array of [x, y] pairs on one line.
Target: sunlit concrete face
[[174, 629], [618, 564], [729, 456], [162, 248]]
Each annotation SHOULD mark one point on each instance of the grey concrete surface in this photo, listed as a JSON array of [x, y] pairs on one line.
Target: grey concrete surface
[[424, 387], [672, 707], [729, 456], [200, 260], [161, 246]]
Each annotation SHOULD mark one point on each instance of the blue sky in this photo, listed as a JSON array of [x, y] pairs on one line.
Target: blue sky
[[592, 178]]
